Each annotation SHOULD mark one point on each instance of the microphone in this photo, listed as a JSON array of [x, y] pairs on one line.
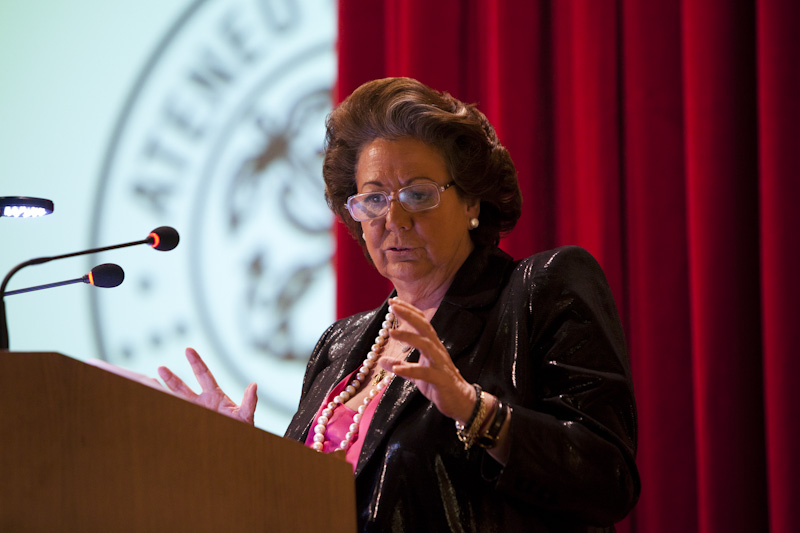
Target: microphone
[[106, 275], [163, 238]]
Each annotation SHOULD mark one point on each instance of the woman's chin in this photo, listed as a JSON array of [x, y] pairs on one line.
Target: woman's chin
[[409, 271]]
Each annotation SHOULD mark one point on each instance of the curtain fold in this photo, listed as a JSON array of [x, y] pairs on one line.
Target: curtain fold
[[659, 324], [722, 177], [778, 74], [662, 137], [588, 192]]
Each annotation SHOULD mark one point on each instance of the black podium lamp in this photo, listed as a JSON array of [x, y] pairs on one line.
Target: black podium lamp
[[24, 207], [19, 207]]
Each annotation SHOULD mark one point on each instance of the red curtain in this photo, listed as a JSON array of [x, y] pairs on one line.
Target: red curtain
[[664, 137]]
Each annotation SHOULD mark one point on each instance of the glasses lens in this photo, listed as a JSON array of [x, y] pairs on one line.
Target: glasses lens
[[367, 205], [419, 197]]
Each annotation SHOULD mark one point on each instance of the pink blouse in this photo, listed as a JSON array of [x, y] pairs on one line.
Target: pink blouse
[[339, 423]]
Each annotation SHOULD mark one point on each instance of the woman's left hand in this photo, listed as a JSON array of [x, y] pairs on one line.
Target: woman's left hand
[[212, 396], [435, 375]]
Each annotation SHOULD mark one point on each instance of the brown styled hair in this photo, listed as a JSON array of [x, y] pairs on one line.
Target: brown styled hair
[[392, 108]]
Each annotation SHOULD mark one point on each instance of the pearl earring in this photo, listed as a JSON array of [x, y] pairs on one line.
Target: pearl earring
[[363, 236], [473, 223]]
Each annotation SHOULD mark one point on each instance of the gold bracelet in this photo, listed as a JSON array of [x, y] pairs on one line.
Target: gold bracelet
[[459, 425], [469, 433], [475, 428]]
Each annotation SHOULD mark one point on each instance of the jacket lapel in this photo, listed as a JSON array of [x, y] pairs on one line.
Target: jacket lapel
[[362, 336]]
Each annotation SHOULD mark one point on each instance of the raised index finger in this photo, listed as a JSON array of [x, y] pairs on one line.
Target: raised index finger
[[421, 335], [413, 317], [201, 372]]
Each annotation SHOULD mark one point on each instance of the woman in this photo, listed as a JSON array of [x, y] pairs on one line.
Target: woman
[[485, 394]]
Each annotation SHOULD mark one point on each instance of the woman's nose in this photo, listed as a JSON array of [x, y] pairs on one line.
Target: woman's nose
[[397, 216]]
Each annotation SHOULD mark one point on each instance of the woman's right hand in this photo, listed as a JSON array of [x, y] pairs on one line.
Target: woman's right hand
[[212, 396]]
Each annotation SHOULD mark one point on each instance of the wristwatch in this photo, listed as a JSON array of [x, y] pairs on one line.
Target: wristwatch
[[488, 439]]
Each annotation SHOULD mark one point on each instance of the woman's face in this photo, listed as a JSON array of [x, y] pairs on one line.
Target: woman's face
[[418, 252]]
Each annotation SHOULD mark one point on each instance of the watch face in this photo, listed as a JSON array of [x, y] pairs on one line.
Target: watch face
[[221, 137]]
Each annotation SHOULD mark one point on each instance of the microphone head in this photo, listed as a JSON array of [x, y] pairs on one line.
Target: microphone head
[[106, 275], [164, 238]]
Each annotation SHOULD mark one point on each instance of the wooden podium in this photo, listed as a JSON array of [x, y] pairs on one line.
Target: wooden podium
[[82, 449]]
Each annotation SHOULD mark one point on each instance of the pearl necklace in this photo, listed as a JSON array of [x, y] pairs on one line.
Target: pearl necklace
[[380, 383]]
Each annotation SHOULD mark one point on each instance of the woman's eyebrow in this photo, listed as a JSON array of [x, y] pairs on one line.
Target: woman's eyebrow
[[410, 181]]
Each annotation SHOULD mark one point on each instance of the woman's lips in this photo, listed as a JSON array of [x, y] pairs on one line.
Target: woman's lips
[[399, 250]]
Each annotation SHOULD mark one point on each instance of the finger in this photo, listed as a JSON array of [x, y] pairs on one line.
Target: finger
[[388, 364], [406, 308], [413, 316], [396, 368], [247, 409], [414, 372], [204, 377], [399, 368], [175, 384], [411, 308], [431, 351], [420, 342]]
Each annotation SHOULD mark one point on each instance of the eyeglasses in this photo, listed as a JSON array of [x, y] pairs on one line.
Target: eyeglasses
[[414, 198]]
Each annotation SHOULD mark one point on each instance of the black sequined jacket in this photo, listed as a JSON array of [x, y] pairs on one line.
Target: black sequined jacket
[[544, 336]]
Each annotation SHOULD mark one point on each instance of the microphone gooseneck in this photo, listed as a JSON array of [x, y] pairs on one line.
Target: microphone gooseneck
[[106, 275], [164, 238]]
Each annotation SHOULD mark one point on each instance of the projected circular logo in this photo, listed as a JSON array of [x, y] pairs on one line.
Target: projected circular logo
[[221, 138]]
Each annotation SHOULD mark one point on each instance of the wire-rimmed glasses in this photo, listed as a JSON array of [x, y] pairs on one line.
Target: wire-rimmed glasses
[[413, 198]]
